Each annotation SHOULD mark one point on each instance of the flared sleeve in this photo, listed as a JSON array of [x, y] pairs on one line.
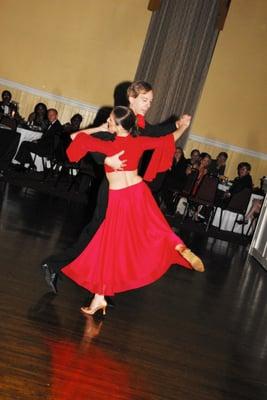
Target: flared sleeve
[[161, 160], [83, 143]]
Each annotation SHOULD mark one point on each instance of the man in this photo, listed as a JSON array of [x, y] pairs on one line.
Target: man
[[140, 97], [217, 166], [7, 107], [44, 146], [9, 115]]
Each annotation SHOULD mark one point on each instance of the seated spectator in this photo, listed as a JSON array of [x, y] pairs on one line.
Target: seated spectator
[[242, 181], [45, 146], [9, 115], [204, 162], [174, 180], [69, 128], [38, 120], [194, 157], [7, 107], [217, 167]]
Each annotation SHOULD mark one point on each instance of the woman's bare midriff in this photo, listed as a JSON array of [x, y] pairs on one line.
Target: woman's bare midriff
[[122, 179]]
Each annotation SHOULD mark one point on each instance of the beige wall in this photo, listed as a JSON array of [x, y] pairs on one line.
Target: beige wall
[[232, 108], [78, 49], [233, 104]]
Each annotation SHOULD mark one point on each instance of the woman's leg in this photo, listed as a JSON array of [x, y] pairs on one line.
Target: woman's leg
[[98, 303]]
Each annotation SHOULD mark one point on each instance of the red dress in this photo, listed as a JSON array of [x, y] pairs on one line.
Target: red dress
[[134, 245]]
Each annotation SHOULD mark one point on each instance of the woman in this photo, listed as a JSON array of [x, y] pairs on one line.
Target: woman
[[174, 181], [38, 119], [134, 245], [204, 162]]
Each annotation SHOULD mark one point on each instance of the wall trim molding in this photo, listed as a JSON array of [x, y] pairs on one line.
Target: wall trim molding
[[227, 146], [50, 96]]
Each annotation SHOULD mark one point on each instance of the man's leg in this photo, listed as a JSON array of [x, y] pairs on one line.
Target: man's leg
[[53, 264]]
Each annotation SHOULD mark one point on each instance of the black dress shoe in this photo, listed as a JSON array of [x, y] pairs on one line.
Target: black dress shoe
[[50, 277]]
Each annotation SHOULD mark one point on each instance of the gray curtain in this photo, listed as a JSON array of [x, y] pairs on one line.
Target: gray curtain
[[176, 55]]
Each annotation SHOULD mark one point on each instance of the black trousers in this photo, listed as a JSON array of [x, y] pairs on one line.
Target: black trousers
[[58, 261]]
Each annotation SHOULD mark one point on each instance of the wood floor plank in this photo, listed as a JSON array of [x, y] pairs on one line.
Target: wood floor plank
[[188, 336]]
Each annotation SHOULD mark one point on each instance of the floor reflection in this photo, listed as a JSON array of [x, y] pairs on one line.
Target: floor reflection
[[82, 369]]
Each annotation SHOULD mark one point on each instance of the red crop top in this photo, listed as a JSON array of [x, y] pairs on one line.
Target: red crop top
[[133, 149]]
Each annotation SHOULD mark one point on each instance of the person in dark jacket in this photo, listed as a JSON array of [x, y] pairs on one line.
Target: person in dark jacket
[[217, 166], [44, 146]]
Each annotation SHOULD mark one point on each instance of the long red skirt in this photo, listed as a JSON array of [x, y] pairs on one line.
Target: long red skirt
[[133, 247]]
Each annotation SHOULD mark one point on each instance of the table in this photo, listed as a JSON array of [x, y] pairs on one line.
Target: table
[[29, 136], [228, 218]]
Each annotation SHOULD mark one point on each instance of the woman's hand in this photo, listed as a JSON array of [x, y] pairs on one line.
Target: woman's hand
[[183, 123]]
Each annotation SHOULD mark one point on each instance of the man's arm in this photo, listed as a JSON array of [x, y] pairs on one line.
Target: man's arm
[[158, 130]]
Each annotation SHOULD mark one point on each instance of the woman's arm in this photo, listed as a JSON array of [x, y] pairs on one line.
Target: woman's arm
[[83, 143], [183, 124]]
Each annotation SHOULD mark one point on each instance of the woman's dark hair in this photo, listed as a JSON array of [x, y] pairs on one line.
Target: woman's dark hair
[[194, 151], [244, 165], [204, 155], [125, 117], [224, 154], [40, 105]]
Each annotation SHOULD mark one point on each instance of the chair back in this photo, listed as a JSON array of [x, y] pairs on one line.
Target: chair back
[[190, 183], [239, 201], [207, 190]]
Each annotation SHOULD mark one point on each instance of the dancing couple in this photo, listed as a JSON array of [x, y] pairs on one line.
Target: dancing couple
[[134, 245]]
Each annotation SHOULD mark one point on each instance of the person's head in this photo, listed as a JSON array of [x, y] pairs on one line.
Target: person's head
[[52, 115], [6, 96], [194, 156], [179, 153], [205, 160], [221, 158], [40, 110], [243, 169], [76, 120], [122, 119], [120, 94], [140, 97]]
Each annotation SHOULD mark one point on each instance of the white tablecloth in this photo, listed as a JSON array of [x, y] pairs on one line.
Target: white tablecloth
[[228, 218], [29, 136], [224, 187]]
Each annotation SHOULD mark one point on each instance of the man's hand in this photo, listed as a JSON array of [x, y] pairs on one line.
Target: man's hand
[[115, 163]]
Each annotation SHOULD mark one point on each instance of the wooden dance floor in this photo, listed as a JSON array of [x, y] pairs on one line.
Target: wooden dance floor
[[189, 336]]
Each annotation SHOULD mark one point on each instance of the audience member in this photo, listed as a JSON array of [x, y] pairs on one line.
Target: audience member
[[217, 166], [242, 181], [204, 162], [9, 115], [44, 146], [194, 157], [69, 128], [7, 107], [38, 120], [175, 180]]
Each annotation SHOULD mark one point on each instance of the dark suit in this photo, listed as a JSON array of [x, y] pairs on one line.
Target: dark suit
[[43, 147]]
